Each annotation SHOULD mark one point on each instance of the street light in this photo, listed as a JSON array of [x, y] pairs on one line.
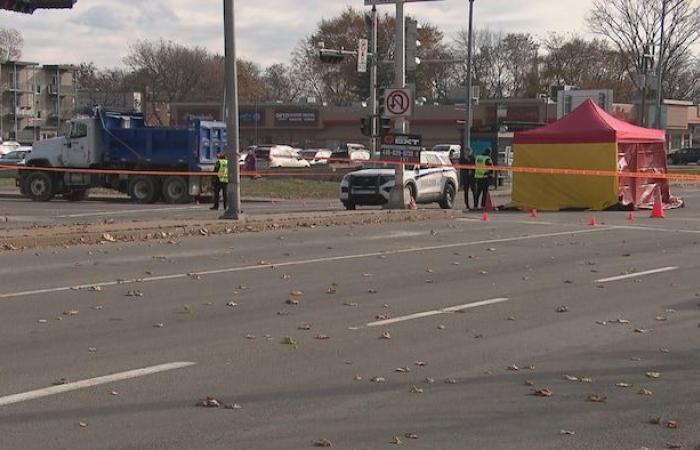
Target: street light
[[468, 101], [233, 209]]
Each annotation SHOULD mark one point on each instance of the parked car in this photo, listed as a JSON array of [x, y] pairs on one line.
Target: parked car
[[14, 158], [10, 146], [277, 156], [452, 150], [434, 180], [684, 156], [316, 156], [351, 152]]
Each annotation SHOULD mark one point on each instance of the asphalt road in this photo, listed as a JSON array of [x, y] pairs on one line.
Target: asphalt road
[[213, 320]]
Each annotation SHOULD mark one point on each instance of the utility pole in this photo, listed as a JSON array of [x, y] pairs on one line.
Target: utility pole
[[233, 209], [373, 83], [660, 68], [397, 198], [468, 101]]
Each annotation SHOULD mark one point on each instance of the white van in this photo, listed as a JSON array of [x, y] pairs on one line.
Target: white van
[[277, 156]]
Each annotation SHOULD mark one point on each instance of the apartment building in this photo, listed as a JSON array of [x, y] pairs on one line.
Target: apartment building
[[35, 100]]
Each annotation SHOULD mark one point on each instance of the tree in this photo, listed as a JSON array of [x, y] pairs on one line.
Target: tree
[[108, 87], [11, 42], [281, 84], [633, 24]]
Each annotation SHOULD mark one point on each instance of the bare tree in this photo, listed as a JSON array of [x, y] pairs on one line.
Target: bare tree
[[281, 84], [11, 42], [633, 24]]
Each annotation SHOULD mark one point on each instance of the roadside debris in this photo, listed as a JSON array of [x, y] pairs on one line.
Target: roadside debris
[[289, 340], [378, 380], [323, 442], [209, 402], [544, 392], [562, 309], [595, 398], [385, 335], [567, 432], [653, 375]]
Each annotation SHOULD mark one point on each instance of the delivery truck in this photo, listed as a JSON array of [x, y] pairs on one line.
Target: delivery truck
[[111, 140]]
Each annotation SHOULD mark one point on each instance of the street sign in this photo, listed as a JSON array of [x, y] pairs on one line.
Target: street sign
[[362, 53], [391, 2], [398, 102], [403, 148]]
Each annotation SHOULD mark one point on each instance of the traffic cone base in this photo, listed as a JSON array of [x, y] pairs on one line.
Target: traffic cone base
[[488, 205], [658, 211], [593, 222], [485, 216], [630, 216], [533, 214]]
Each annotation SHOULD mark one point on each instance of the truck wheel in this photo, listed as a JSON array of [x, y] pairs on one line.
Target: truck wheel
[[350, 206], [175, 190], [448, 197], [76, 195], [143, 189], [39, 186]]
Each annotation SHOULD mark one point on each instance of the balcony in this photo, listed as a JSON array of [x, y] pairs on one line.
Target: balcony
[[65, 89], [20, 88]]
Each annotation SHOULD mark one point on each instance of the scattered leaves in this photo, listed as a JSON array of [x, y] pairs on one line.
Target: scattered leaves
[[429, 380], [395, 440], [209, 402], [323, 442], [415, 389], [304, 327], [653, 375], [642, 330], [378, 380], [322, 337], [385, 335], [645, 392], [158, 325], [134, 293], [288, 340], [544, 392], [231, 304], [562, 309], [671, 424], [411, 435], [441, 327], [623, 385], [567, 432], [595, 398], [450, 381], [83, 424], [232, 406], [60, 381]]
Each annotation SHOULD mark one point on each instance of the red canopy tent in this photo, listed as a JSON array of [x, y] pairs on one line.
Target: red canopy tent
[[590, 138]]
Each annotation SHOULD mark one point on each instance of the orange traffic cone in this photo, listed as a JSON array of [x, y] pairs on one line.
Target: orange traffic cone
[[630, 216], [488, 205], [593, 222], [533, 214], [485, 216], [658, 211]]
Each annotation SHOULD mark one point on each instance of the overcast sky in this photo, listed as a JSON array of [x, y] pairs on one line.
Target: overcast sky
[[101, 30]]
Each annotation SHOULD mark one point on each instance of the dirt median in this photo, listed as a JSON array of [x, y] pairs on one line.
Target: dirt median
[[171, 230]]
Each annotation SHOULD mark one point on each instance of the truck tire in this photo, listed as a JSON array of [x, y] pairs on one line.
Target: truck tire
[[76, 195], [143, 189], [176, 190], [448, 197], [39, 186]]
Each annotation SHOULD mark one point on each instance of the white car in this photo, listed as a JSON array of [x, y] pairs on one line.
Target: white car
[[452, 150], [349, 153], [435, 180], [10, 146], [278, 156], [316, 156]]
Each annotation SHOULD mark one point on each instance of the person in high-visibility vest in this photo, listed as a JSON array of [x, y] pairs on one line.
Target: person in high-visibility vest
[[483, 174], [220, 180]]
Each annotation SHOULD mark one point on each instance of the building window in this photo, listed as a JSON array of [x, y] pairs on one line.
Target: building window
[[38, 89], [601, 100], [567, 104]]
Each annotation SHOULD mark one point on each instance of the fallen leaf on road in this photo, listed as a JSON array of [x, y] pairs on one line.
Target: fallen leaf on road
[[371, 291], [441, 327], [323, 442], [322, 337], [352, 304], [642, 330], [429, 380], [415, 389], [250, 337], [570, 378], [82, 424], [231, 304], [645, 392], [623, 385], [420, 363], [60, 381], [378, 380], [304, 327], [134, 293], [187, 309], [108, 237], [158, 325], [528, 383], [42, 321], [395, 440], [385, 335], [671, 424], [232, 406], [289, 340], [544, 392], [292, 301], [411, 435], [661, 318], [595, 398], [402, 369], [382, 317], [562, 309], [513, 367], [655, 420], [653, 375], [450, 381], [567, 432]]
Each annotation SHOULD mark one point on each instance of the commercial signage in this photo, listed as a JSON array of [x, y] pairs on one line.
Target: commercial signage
[[251, 117], [362, 55], [404, 148], [296, 117]]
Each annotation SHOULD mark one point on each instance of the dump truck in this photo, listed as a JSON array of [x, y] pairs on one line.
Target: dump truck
[[110, 140]]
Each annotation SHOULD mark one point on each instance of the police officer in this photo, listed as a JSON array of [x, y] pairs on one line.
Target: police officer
[[221, 179], [466, 157], [482, 177]]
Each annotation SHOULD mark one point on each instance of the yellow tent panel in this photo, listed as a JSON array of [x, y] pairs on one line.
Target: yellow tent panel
[[555, 192]]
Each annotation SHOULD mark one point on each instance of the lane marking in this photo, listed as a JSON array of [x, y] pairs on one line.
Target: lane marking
[[90, 382], [327, 259], [637, 274], [127, 211], [420, 315]]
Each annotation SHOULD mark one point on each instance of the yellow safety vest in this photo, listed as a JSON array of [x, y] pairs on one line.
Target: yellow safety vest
[[223, 171], [481, 164]]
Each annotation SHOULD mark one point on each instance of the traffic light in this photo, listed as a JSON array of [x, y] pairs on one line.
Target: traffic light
[[366, 127], [412, 45], [381, 102], [384, 126], [330, 56]]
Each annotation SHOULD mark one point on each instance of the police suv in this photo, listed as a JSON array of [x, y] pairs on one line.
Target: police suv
[[435, 180]]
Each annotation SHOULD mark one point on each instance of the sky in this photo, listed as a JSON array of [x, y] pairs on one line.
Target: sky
[[101, 31]]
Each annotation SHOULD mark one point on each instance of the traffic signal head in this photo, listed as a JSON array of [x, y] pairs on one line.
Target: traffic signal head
[[330, 56], [384, 126], [412, 45], [381, 102]]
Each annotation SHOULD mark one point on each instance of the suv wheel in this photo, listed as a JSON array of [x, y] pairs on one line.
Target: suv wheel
[[448, 197]]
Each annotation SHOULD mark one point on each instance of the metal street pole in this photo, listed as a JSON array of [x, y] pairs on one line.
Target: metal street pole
[[397, 199], [660, 70], [373, 83], [233, 210], [469, 118]]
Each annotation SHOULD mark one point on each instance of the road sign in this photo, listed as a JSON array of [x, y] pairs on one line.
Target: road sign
[[404, 148], [391, 2], [398, 102], [362, 50]]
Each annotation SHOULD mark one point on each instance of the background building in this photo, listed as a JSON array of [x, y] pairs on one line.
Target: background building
[[35, 101]]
